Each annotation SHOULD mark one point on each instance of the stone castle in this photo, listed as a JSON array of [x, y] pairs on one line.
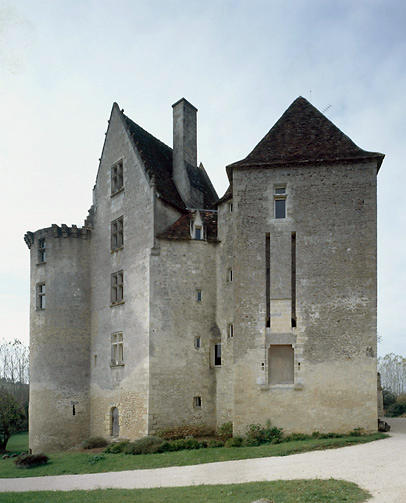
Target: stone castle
[[171, 306]]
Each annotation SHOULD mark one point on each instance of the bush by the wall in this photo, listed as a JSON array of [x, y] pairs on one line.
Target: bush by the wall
[[31, 461], [212, 443], [145, 445], [258, 434], [178, 432], [297, 436], [225, 430], [116, 448], [93, 442], [234, 442]]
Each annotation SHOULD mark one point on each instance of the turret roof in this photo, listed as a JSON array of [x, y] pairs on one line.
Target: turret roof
[[304, 135]]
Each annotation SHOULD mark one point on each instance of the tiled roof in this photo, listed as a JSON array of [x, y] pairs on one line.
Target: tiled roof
[[181, 228], [304, 135], [157, 159]]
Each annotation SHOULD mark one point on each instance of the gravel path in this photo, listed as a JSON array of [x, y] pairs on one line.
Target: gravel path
[[379, 467]]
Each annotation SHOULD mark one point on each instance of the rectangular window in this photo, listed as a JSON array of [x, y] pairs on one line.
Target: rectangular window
[[117, 234], [117, 353], [281, 364], [198, 295], [198, 232], [217, 354], [197, 342], [280, 202], [41, 296], [197, 402], [117, 287], [230, 207], [117, 177], [41, 251], [229, 275], [230, 331]]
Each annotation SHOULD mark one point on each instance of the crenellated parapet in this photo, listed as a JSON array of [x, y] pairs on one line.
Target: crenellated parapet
[[62, 231]]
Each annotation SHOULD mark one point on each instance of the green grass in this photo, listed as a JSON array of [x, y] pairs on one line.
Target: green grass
[[18, 443], [78, 462], [292, 491]]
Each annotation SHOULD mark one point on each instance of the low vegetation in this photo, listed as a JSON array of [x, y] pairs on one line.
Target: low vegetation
[[292, 491], [99, 462], [394, 405], [31, 460]]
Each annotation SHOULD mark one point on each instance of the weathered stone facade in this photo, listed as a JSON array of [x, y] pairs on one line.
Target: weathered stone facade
[[171, 306]]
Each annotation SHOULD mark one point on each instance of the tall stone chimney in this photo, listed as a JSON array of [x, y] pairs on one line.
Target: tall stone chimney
[[184, 149]]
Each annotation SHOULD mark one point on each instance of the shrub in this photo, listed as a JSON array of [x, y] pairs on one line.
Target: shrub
[[331, 435], [297, 436], [145, 445], [316, 434], [356, 432], [215, 443], [94, 442], [389, 398], [257, 434], [234, 442], [116, 448], [225, 430], [178, 432], [31, 460]]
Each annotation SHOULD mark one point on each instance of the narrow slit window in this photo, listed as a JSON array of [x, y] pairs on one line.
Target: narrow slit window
[[230, 331], [268, 280], [198, 295], [293, 281], [229, 275], [197, 402], [197, 342], [217, 354]]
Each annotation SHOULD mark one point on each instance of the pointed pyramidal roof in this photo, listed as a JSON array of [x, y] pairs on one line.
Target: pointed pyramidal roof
[[303, 135]]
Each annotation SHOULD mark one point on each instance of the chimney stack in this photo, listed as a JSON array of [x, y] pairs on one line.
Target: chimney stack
[[184, 147]]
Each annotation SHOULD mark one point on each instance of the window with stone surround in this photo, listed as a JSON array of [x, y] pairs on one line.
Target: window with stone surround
[[117, 350], [41, 251], [217, 354], [229, 275], [198, 232], [281, 360], [117, 287], [117, 234], [230, 331], [280, 201], [41, 296], [197, 402], [117, 177]]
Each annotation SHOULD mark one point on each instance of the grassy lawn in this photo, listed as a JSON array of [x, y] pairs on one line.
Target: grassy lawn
[[18, 443], [293, 491], [83, 462]]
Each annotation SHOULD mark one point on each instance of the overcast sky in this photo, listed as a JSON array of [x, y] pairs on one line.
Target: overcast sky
[[240, 62]]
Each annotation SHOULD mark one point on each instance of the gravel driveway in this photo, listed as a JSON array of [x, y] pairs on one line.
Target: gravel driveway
[[379, 467]]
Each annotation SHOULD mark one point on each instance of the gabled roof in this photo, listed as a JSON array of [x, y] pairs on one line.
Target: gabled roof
[[303, 135], [180, 230], [157, 159]]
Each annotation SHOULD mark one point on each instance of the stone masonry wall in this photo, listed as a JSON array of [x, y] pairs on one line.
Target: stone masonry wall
[[332, 210], [60, 341]]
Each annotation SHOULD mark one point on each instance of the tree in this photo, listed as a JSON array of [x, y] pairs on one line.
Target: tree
[[393, 373], [14, 367], [11, 417]]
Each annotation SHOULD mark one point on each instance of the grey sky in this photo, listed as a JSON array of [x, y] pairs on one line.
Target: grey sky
[[241, 63]]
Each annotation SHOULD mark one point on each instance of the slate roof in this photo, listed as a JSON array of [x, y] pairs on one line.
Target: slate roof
[[180, 230], [303, 135], [157, 159]]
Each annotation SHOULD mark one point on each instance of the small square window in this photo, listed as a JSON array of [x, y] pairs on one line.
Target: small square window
[[41, 296], [117, 353], [198, 342], [117, 287], [197, 402], [198, 295], [117, 177], [117, 234], [41, 251]]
